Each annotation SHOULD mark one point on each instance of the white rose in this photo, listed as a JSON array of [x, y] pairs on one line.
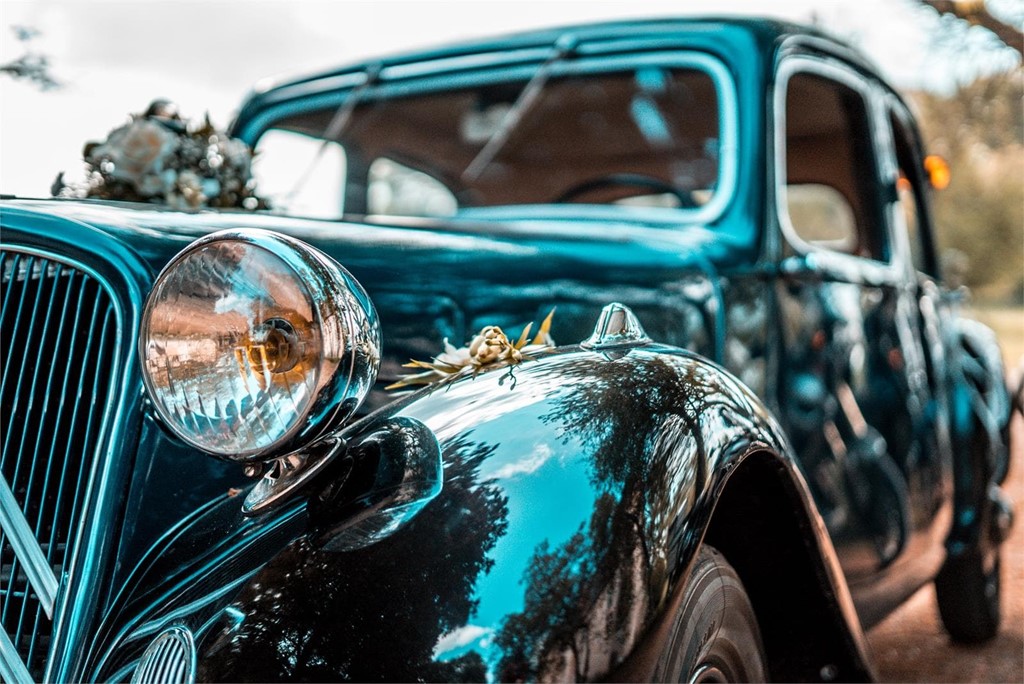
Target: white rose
[[190, 188], [137, 150], [452, 356], [236, 153]]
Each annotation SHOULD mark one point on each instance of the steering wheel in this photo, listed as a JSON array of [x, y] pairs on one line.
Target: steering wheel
[[635, 180]]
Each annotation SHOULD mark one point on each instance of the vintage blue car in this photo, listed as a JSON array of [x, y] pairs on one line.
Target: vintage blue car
[[767, 426]]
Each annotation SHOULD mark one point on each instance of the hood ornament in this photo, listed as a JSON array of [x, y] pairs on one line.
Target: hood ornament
[[617, 326]]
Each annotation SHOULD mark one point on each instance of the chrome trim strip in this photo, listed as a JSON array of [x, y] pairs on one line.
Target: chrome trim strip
[[27, 549], [433, 81], [181, 614], [247, 539], [12, 670], [830, 68]]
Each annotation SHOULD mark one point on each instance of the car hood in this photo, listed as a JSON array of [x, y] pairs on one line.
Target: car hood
[[432, 280], [156, 234]]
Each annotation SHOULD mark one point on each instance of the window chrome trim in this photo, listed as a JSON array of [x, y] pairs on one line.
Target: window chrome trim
[[68, 620], [392, 84], [893, 106], [829, 68]]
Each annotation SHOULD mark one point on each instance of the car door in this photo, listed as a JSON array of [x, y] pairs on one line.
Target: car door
[[922, 301], [850, 362]]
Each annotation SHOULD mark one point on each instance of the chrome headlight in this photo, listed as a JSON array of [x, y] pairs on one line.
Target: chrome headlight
[[253, 343]]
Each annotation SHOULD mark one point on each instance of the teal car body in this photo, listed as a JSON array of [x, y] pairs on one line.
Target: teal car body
[[819, 415]]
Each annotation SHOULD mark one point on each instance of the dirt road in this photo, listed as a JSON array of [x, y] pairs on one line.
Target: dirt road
[[910, 645]]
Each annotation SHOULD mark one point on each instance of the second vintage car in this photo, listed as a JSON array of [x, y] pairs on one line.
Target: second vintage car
[[766, 428]]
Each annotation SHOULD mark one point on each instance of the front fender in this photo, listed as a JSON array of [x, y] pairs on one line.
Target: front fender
[[577, 488]]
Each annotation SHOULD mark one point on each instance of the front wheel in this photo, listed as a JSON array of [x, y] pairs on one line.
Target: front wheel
[[715, 637]]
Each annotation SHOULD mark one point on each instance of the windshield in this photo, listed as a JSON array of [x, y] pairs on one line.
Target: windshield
[[647, 137]]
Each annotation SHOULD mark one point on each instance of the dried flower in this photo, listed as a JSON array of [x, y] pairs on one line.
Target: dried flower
[[490, 348]]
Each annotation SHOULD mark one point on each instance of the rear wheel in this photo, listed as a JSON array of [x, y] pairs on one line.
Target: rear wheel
[[715, 637], [968, 590]]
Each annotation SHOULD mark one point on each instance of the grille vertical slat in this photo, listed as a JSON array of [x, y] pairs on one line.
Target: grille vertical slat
[[24, 343], [169, 659], [59, 326], [5, 312], [11, 315], [12, 420], [35, 414], [14, 609], [76, 403], [53, 426], [90, 422], [51, 418], [7, 576], [48, 424], [23, 469], [39, 640]]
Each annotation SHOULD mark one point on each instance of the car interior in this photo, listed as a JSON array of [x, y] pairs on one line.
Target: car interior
[[647, 136], [831, 174]]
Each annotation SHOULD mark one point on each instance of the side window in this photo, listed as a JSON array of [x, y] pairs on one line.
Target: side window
[[831, 174], [910, 190], [822, 216], [300, 175], [399, 190]]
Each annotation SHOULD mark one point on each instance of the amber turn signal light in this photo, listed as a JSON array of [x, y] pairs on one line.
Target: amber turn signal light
[[938, 171]]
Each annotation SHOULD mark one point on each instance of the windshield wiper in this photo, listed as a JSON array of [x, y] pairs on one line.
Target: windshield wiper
[[565, 47], [337, 125]]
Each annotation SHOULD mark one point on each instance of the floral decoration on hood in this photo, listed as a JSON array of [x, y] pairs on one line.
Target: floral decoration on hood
[[490, 348], [159, 157]]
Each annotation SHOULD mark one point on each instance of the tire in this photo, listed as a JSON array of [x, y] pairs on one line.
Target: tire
[[714, 637], [968, 591]]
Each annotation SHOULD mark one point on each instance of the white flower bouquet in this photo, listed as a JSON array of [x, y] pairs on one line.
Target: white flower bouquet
[[158, 157]]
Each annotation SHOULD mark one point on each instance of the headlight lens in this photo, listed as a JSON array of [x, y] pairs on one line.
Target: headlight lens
[[252, 342]]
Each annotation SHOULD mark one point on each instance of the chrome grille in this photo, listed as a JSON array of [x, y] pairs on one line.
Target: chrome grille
[[60, 347], [170, 659]]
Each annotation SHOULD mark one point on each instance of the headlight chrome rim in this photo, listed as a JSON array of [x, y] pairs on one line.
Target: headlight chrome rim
[[349, 336]]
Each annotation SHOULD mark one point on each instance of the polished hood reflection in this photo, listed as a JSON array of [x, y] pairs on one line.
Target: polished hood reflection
[[511, 573]]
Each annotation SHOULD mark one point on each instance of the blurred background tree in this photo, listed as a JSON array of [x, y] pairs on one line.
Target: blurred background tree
[[976, 13], [979, 129], [31, 66]]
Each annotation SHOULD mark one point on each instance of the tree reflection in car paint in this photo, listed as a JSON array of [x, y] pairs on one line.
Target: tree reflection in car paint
[[494, 592], [292, 631]]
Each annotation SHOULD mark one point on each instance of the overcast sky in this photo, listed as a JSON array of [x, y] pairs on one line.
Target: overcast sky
[[115, 57]]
